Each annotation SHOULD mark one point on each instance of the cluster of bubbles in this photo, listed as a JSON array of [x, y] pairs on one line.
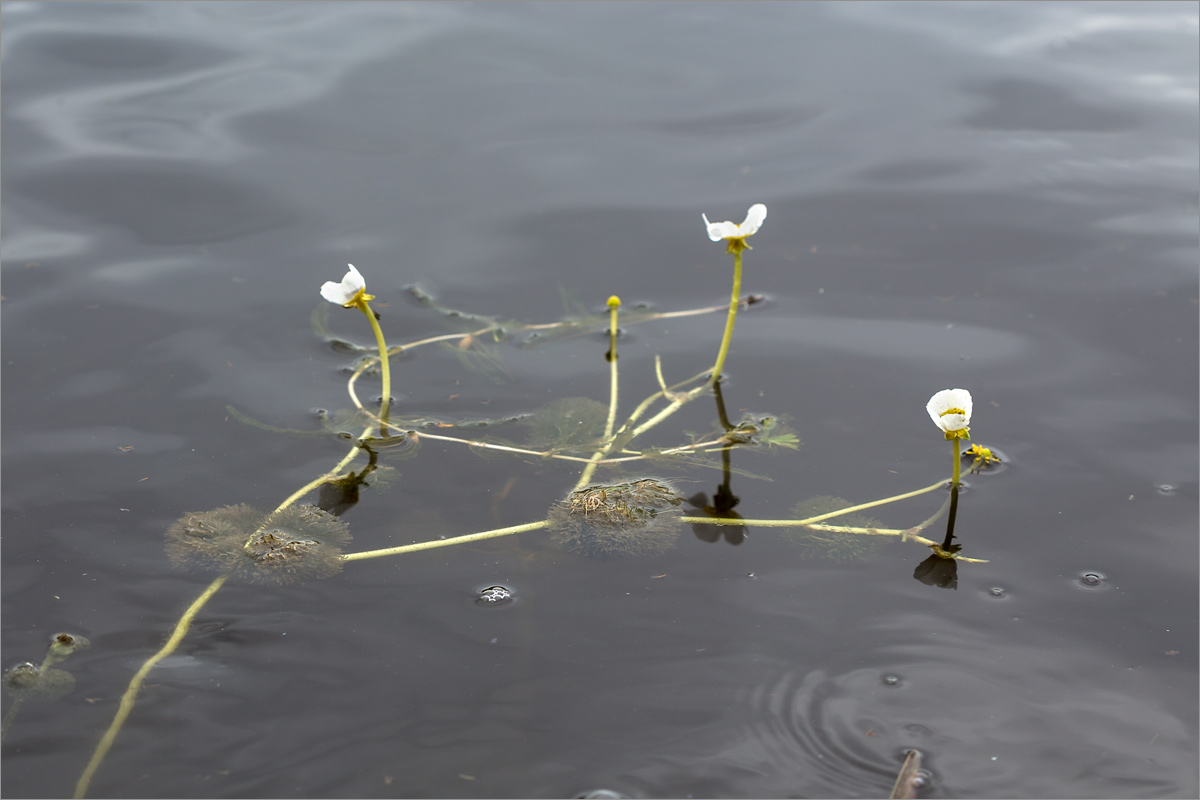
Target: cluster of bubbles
[[639, 517], [494, 596], [295, 544]]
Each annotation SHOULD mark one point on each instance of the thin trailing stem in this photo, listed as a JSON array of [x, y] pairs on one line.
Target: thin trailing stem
[[135, 685], [792, 523], [473, 537]]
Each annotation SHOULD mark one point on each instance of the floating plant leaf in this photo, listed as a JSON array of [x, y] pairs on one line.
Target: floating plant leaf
[[296, 544], [639, 517], [568, 423], [842, 546]]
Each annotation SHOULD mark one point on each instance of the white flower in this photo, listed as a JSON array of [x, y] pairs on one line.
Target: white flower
[[347, 292], [727, 230], [950, 410]]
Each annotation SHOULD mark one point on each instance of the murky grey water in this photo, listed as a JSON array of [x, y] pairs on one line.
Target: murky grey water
[[1001, 197]]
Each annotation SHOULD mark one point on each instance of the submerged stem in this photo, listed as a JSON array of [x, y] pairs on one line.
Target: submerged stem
[[130, 696]]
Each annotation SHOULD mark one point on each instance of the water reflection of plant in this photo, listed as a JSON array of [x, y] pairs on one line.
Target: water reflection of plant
[[293, 542]]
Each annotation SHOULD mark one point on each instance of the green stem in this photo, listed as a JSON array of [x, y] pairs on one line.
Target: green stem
[[792, 523], [612, 361], [957, 471], [473, 537], [733, 308], [130, 696], [313, 484], [613, 304], [383, 366]]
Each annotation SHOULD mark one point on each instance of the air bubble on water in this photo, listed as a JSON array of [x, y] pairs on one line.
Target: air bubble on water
[[1092, 580], [997, 591], [494, 596], [1166, 489], [891, 680], [922, 778]]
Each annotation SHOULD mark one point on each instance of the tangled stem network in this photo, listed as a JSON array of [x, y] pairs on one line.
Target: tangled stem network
[[295, 543]]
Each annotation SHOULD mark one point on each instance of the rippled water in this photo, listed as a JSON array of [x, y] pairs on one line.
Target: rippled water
[[1001, 197]]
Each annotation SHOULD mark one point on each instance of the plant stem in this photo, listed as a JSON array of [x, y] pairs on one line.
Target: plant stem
[[473, 537], [130, 696], [614, 304], [792, 523], [383, 366], [612, 361], [956, 473], [733, 308], [313, 484]]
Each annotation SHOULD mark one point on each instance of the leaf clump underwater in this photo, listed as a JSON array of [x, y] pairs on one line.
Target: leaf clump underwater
[[28, 681], [568, 423], [840, 546], [605, 521], [297, 544]]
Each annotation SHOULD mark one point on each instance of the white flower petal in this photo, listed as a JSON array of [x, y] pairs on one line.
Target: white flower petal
[[754, 220], [720, 230], [728, 230], [950, 409], [344, 292]]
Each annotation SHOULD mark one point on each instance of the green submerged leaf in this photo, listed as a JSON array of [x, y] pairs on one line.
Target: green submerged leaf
[[840, 546]]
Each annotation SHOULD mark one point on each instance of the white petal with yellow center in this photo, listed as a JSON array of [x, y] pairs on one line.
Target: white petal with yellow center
[[344, 293], [950, 409]]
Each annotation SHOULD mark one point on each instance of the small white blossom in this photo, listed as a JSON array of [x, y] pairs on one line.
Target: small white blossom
[[346, 292], [727, 230], [950, 410]]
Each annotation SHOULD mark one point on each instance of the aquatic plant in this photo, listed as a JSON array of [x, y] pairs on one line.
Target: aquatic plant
[[844, 542], [638, 517], [596, 518], [29, 681], [735, 242], [950, 410], [294, 544]]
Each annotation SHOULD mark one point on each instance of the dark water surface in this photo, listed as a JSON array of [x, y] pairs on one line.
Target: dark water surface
[[1001, 197]]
